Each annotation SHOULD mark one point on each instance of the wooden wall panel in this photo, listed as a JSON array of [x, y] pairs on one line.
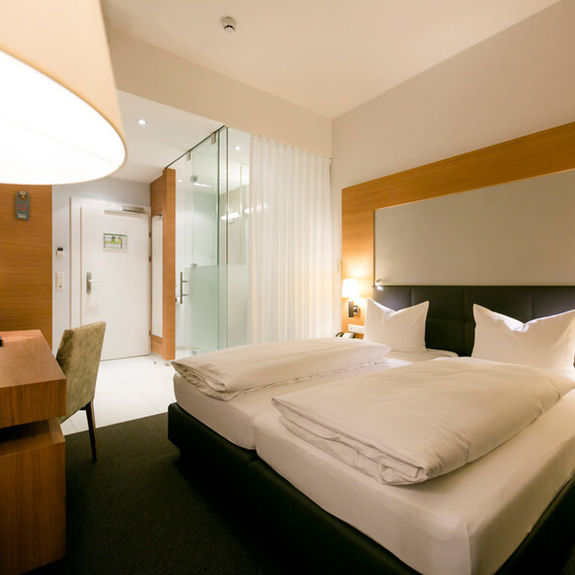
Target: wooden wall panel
[[163, 201], [26, 262], [533, 155]]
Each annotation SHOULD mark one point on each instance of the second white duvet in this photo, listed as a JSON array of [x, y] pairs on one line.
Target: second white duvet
[[227, 373], [413, 423]]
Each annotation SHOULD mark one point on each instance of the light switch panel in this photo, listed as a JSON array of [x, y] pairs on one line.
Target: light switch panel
[[59, 281]]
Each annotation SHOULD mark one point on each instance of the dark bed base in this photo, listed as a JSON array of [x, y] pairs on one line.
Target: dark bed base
[[332, 545], [329, 544]]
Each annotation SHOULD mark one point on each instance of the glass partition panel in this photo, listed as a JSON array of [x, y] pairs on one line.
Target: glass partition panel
[[197, 199], [222, 234], [212, 218]]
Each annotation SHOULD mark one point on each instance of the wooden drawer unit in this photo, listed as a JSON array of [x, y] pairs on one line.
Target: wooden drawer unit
[[32, 454]]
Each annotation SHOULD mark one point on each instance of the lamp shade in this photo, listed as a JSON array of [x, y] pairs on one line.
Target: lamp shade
[[59, 114], [350, 288]]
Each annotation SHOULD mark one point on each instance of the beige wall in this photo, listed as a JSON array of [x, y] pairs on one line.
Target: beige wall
[[149, 72], [515, 83]]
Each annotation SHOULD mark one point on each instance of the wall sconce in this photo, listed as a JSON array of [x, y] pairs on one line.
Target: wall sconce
[[59, 115], [350, 289]]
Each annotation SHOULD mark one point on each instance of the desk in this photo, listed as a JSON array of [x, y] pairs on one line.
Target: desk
[[32, 454]]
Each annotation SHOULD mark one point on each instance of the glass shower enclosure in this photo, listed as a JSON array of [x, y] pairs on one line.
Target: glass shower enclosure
[[212, 183]]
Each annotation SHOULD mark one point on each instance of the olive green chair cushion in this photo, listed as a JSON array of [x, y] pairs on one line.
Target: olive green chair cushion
[[79, 357]]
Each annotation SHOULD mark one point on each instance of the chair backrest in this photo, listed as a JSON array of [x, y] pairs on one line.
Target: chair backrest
[[79, 357]]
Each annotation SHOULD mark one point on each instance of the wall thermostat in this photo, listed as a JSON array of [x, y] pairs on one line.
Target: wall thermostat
[[22, 206]]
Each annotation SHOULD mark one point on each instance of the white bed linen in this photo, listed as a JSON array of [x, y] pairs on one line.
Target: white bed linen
[[234, 419], [227, 373], [417, 356], [467, 522], [423, 420]]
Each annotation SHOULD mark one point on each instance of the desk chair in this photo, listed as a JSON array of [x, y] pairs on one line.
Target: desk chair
[[79, 357]]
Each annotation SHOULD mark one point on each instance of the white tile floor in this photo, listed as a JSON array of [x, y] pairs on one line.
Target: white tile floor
[[127, 389]]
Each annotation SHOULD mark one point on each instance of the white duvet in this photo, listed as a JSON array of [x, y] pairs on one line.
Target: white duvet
[[226, 373], [416, 422]]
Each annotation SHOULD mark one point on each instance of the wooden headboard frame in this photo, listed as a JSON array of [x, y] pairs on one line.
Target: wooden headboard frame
[[533, 155]]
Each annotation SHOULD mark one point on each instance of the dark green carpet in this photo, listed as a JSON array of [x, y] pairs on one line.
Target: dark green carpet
[[140, 510]]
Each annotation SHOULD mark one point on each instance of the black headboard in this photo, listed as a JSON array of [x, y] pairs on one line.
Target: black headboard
[[450, 322]]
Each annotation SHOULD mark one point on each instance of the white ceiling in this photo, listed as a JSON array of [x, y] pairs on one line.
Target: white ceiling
[[168, 133], [327, 56]]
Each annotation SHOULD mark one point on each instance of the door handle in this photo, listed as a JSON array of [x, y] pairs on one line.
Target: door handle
[[90, 282], [182, 282]]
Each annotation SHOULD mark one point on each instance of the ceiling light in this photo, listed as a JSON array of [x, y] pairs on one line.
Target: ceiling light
[[199, 185], [142, 122], [229, 24], [59, 115], [179, 180], [237, 148]]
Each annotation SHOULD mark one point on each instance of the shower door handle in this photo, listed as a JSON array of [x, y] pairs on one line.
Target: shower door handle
[[182, 282]]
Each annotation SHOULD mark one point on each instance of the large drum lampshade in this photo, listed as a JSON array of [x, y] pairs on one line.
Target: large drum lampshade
[[59, 116]]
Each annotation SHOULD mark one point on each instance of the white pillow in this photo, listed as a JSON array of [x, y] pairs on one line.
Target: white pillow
[[402, 330], [546, 342]]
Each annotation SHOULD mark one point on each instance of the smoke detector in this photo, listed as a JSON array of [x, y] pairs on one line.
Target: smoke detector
[[229, 24]]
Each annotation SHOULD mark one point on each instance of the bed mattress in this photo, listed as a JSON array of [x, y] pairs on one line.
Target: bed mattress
[[466, 522]]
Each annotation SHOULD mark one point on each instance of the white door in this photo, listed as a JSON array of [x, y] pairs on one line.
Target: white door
[[115, 278]]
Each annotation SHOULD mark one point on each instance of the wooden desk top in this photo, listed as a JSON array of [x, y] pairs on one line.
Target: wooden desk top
[[32, 385]]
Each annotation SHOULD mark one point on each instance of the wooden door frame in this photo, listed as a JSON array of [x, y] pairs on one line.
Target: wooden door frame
[[163, 202]]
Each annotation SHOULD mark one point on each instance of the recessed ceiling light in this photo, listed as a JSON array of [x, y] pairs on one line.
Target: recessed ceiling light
[[179, 180], [237, 148], [142, 122]]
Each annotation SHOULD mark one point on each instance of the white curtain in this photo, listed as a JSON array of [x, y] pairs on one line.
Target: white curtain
[[290, 238]]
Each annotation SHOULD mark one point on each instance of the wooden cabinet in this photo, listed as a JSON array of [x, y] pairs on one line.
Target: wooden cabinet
[[32, 454]]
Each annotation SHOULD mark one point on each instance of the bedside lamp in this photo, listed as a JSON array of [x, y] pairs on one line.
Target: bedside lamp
[[350, 290], [59, 114]]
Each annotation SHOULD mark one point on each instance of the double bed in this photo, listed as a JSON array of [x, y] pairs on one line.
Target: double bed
[[511, 511]]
